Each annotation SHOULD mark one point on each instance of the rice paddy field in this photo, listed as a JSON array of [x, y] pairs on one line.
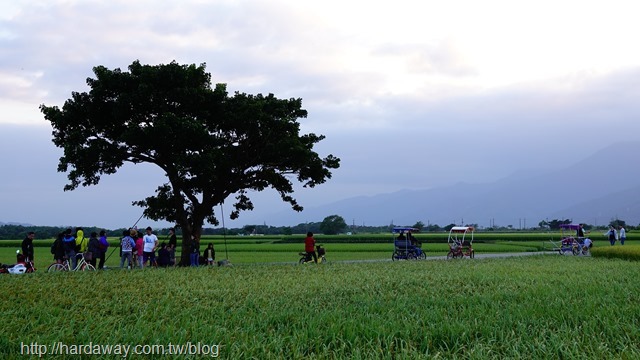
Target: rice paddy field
[[534, 307]]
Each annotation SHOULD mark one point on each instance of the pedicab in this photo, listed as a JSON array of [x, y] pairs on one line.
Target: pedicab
[[570, 242], [460, 242], [406, 247]]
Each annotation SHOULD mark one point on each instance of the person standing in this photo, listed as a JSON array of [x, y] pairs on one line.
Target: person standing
[[126, 247], [82, 244], [172, 254], [210, 254], [194, 255], [150, 245], [93, 249], [172, 238], [69, 242], [622, 234], [612, 234], [27, 246], [104, 246], [310, 246], [138, 253], [57, 249]]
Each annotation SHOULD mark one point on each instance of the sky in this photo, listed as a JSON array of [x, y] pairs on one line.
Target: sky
[[409, 94]]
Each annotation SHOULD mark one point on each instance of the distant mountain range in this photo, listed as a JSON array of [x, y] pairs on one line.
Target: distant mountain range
[[14, 223], [596, 190]]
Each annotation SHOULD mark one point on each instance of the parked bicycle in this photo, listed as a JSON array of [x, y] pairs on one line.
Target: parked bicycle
[[82, 265]]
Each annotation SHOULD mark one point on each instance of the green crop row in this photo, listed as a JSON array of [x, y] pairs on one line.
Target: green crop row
[[626, 252]]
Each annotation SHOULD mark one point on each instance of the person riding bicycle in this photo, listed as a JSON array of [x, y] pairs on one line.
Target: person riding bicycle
[[310, 246]]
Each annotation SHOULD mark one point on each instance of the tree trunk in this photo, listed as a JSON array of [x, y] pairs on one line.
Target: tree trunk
[[189, 230]]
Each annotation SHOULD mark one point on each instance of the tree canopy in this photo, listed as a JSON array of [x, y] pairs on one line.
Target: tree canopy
[[209, 144]]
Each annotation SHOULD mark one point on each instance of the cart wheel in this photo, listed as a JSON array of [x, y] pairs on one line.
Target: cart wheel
[[423, 256], [411, 256], [575, 250], [450, 254], [472, 254], [394, 256]]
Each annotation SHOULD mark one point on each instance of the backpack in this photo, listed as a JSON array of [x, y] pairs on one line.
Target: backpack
[[57, 243]]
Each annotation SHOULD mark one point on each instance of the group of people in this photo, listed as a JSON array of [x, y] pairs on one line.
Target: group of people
[[410, 237], [139, 250], [614, 235], [72, 245]]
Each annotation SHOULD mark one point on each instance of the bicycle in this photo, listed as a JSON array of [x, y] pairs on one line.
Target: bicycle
[[82, 265], [458, 250], [308, 258]]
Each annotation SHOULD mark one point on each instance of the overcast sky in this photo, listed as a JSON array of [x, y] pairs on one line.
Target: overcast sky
[[410, 94]]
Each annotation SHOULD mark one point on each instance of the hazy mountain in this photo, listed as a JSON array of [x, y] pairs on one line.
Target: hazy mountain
[[594, 190], [14, 223]]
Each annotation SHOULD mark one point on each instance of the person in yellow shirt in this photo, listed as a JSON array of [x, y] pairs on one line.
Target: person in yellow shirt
[[82, 243]]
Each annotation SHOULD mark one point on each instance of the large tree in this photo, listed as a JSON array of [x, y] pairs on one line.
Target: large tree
[[333, 225], [209, 144]]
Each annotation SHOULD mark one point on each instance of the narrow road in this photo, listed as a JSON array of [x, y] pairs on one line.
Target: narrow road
[[477, 256]]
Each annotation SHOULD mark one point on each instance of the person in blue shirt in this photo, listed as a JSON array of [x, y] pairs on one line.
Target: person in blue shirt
[[69, 244]]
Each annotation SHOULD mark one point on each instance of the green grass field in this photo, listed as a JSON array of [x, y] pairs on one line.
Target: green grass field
[[540, 307]]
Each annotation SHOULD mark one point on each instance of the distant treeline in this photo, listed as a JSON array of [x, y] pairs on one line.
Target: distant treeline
[[14, 232], [9, 232]]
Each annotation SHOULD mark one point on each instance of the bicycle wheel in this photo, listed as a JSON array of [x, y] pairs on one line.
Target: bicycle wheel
[[324, 259], [302, 261], [394, 256], [450, 254], [575, 250], [472, 254], [88, 267], [55, 267]]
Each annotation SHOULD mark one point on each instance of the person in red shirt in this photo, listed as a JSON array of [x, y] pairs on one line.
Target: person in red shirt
[[310, 246]]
